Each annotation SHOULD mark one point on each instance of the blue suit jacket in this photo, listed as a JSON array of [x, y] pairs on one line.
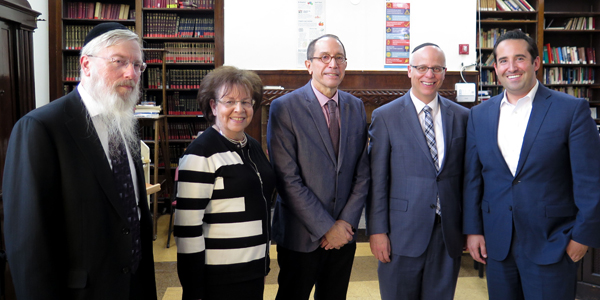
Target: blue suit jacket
[[555, 194], [405, 183], [314, 188]]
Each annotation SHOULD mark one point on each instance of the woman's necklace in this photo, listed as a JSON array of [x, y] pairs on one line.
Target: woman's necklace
[[239, 144]]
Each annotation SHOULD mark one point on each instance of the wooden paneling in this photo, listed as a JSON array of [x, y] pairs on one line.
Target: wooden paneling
[[17, 90], [373, 87], [7, 105]]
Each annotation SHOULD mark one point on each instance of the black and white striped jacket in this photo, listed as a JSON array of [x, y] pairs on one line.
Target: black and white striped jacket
[[222, 217]]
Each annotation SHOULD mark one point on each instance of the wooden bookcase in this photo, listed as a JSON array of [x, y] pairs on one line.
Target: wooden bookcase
[[64, 63], [492, 24], [559, 12], [58, 23]]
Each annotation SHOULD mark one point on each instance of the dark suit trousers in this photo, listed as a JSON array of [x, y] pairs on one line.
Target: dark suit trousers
[[431, 276], [328, 270], [518, 278]]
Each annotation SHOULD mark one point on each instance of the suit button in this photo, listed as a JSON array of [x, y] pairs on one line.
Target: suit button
[[125, 231], [432, 206], [333, 200], [125, 270], [510, 208], [437, 179]]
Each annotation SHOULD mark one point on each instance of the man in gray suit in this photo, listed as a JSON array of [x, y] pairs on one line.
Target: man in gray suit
[[414, 211], [317, 144]]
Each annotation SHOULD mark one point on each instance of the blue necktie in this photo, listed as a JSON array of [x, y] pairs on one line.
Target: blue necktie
[[124, 185]]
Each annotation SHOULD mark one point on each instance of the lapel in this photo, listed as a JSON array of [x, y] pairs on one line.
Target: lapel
[[411, 121], [316, 112], [87, 141], [539, 109], [447, 121]]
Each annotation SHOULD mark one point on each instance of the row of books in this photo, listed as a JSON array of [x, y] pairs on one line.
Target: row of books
[[487, 38], [487, 77], [72, 68], [75, 35], [175, 79], [200, 4], [177, 130], [569, 55], [101, 11], [153, 56], [578, 23], [172, 25], [182, 53], [186, 130], [505, 5], [67, 88], [563, 75], [183, 104], [576, 91], [489, 59]]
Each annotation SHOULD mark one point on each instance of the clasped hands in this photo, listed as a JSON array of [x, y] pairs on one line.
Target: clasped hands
[[337, 236]]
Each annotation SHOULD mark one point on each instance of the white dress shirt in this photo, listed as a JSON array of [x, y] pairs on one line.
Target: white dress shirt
[[94, 110], [512, 125], [437, 122]]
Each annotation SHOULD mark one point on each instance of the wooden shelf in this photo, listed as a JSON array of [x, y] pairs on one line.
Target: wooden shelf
[[559, 14], [184, 10], [178, 39], [508, 22], [571, 31], [182, 64], [97, 21], [589, 85], [571, 65]]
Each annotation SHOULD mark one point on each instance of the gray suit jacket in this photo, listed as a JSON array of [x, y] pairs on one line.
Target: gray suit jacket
[[314, 188], [405, 182]]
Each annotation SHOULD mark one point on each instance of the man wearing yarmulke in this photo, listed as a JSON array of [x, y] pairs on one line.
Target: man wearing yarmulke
[[77, 225]]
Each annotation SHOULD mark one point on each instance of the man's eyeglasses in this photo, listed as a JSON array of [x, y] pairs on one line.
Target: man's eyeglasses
[[231, 103], [423, 69], [340, 59], [122, 63]]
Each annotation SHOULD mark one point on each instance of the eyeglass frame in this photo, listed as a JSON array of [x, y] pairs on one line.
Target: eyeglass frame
[[429, 68], [234, 104], [330, 58], [115, 60]]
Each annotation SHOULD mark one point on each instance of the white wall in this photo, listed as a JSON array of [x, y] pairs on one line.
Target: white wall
[[41, 54], [261, 34]]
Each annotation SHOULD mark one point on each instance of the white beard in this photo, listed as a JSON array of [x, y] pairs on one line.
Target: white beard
[[116, 112]]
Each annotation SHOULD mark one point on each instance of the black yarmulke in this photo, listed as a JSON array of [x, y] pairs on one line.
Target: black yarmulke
[[424, 45], [101, 29]]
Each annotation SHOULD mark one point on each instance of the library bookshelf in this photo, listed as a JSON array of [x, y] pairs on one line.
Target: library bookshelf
[[180, 44], [492, 22]]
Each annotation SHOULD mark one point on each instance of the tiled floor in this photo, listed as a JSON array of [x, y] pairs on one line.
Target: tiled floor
[[363, 281]]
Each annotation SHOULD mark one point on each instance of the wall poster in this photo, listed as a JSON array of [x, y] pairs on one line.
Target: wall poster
[[397, 34], [311, 25]]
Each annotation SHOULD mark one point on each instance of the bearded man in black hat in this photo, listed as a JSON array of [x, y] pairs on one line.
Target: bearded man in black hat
[[77, 224]]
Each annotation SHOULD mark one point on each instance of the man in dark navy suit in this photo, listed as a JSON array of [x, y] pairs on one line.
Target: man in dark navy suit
[[532, 172]]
